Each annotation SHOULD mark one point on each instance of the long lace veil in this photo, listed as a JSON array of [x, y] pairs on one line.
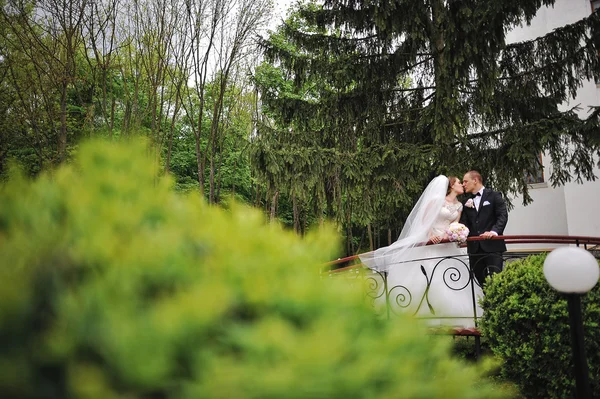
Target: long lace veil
[[416, 228]]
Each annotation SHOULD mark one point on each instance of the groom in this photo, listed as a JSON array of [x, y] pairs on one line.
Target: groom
[[485, 215]]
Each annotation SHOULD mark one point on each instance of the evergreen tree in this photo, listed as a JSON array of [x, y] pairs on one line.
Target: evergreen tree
[[406, 89]]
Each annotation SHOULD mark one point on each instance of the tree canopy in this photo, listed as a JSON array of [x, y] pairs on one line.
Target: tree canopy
[[371, 99]]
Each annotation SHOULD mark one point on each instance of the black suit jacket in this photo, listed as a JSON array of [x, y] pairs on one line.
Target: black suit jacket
[[492, 216]]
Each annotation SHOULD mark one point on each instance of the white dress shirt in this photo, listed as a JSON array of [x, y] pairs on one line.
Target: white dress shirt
[[477, 199]]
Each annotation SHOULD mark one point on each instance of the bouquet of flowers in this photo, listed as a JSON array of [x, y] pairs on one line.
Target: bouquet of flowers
[[457, 232]]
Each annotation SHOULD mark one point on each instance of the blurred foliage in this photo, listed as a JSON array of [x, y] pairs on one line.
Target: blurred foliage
[[526, 323], [465, 347], [116, 286]]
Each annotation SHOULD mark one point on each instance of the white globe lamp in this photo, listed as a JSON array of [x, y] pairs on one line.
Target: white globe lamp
[[571, 270], [574, 271]]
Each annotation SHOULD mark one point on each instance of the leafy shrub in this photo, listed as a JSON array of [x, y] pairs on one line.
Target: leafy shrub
[[115, 286], [526, 323]]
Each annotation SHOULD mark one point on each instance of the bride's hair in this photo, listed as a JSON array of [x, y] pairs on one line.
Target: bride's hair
[[451, 181]]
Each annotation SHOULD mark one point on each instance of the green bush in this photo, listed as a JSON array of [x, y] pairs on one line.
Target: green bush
[[527, 325], [115, 286]]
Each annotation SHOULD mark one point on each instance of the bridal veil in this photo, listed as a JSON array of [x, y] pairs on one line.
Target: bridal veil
[[416, 228]]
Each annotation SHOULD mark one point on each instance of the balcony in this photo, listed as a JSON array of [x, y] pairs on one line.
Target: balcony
[[432, 285]]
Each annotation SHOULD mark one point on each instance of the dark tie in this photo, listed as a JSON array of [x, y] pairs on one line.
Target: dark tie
[[478, 194]]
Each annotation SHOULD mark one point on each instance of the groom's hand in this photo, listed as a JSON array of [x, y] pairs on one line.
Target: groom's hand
[[489, 234]]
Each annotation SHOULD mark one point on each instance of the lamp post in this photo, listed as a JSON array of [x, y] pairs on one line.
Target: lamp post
[[574, 271]]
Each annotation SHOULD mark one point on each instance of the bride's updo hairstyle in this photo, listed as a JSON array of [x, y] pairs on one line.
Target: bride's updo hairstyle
[[451, 181]]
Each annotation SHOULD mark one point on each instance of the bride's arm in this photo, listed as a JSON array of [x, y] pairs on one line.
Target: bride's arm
[[428, 214], [432, 237]]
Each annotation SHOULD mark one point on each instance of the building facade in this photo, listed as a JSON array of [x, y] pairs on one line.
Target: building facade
[[571, 209]]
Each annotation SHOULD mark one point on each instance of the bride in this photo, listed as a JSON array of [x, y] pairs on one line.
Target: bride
[[430, 281]]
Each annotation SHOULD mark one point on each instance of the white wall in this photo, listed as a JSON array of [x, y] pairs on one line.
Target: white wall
[[572, 209], [582, 208], [545, 216]]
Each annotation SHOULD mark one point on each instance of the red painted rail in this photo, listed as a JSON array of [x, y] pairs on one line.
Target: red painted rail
[[520, 239]]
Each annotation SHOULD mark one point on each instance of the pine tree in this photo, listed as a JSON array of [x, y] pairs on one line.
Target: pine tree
[[403, 90]]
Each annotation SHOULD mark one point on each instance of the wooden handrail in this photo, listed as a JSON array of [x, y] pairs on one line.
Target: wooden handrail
[[342, 260], [513, 239]]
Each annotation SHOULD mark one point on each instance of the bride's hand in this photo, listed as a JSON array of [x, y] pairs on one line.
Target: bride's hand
[[435, 239]]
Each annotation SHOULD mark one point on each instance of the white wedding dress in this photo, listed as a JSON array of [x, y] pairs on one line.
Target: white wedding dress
[[452, 299], [432, 281]]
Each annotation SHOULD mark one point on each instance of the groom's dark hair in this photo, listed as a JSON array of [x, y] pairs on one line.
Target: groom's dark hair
[[475, 175]]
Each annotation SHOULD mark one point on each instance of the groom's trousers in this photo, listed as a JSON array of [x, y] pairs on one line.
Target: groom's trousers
[[485, 264]]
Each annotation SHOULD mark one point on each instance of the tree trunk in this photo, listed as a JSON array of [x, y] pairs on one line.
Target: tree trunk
[[200, 165], [304, 221], [172, 128], [216, 122], [235, 174], [200, 156], [321, 211], [296, 216], [211, 174], [274, 206], [442, 81], [256, 195], [349, 244], [62, 135], [112, 115], [135, 107], [127, 116], [105, 98], [219, 176], [370, 233], [213, 149]]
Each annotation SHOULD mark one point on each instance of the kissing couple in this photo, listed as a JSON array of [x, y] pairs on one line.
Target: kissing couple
[[433, 280]]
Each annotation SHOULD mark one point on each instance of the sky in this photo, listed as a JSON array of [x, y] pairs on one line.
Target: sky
[[280, 8]]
